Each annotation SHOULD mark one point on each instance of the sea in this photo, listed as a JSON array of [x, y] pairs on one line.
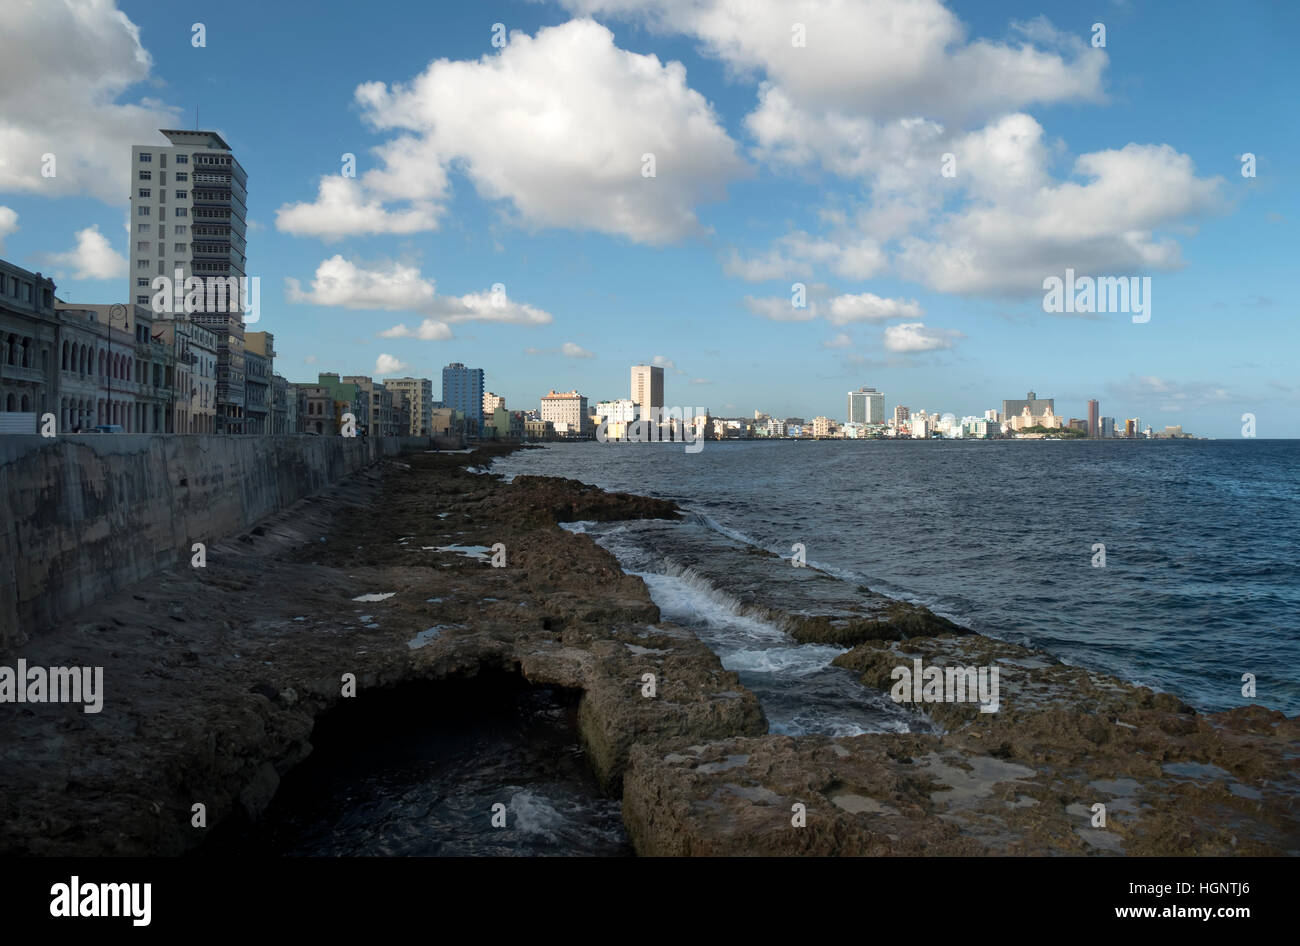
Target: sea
[[1171, 564]]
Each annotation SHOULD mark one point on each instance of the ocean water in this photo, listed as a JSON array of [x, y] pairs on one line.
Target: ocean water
[[1200, 583]]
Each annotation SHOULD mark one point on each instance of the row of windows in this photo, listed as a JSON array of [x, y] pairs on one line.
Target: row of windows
[[182, 177], [143, 211], [145, 192], [21, 289], [146, 157], [142, 246], [179, 229]]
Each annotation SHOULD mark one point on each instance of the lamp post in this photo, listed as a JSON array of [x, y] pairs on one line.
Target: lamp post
[[115, 311]]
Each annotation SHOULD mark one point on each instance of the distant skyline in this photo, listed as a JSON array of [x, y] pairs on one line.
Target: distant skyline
[[502, 214]]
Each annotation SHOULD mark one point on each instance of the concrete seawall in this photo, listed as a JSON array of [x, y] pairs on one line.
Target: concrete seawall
[[86, 515]]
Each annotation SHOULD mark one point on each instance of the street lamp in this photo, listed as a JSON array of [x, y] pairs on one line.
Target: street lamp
[[115, 311]]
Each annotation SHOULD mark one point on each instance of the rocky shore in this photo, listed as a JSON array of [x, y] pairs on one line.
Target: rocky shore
[[214, 678]]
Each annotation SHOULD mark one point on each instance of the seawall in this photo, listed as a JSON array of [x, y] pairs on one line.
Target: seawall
[[87, 515]]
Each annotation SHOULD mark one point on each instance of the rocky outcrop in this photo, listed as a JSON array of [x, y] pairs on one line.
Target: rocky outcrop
[[214, 676], [1025, 779]]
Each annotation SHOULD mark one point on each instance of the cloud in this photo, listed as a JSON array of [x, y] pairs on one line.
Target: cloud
[[395, 286], [92, 258], [578, 113], [388, 364], [700, 381], [575, 351], [309, 360], [342, 210], [65, 66], [910, 337], [429, 330], [8, 224], [1009, 242], [797, 254], [869, 307], [839, 341], [663, 362], [1148, 392]]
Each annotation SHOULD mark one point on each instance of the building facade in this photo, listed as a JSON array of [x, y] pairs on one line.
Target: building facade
[[462, 390], [419, 402], [29, 346], [648, 390], [567, 413]]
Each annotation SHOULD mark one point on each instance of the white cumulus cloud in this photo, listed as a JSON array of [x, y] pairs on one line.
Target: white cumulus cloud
[[397, 286], [65, 68], [92, 258], [907, 337], [555, 126], [388, 365]]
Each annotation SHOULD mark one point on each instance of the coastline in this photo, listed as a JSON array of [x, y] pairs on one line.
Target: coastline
[[212, 698]]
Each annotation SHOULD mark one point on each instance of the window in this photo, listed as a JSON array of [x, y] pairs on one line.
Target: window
[[145, 157], [142, 228], [182, 195], [143, 192], [162, 229], [146, 175], [141, 300], [181, 248], [181, 212], [142, 211], [181, 176], [142, 282], [142, 246], [142, 264], [182, 159], [180, 229], [162, 160]]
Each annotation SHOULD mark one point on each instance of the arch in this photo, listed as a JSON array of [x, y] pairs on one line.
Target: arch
[[65, 355], [26, 353], [101, 362], [26, 404], [9, 403]]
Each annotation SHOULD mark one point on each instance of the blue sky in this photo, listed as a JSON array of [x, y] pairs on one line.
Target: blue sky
[[775, 164]]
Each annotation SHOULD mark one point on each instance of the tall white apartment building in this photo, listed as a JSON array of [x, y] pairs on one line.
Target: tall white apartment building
[[419, 394], [648, 389], [188, 218]]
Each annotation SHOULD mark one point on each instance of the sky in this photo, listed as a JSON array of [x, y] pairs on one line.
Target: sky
[[920, 168]]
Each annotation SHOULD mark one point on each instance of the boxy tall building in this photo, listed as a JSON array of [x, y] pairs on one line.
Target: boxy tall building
[[648, 389], [188, 214], [462, 389]]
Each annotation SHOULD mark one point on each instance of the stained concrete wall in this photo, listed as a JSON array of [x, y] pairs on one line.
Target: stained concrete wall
[[85, 515]]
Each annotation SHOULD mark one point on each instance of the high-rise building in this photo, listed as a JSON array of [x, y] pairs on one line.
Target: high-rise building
[[901, 415], [188, 211], [1107, 427], [419, 396], [866, 406], [648, 389], [1094, 423], [1037, 406], [462, 390], [492, 403]]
